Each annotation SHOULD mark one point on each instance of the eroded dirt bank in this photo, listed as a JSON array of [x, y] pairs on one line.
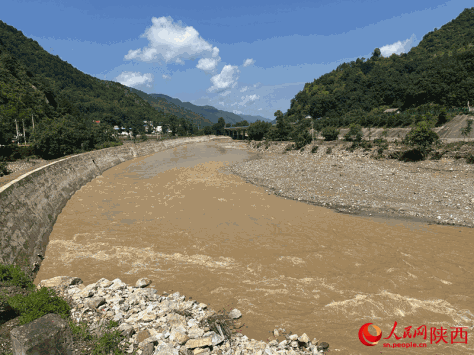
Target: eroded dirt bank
[[180, 219]]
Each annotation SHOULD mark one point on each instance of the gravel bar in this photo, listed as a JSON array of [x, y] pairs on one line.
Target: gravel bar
[[433, 191]]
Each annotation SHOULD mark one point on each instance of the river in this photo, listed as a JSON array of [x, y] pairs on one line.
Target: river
[[180, 219]]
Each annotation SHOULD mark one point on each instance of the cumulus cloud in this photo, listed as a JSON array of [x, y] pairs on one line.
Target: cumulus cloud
[[227, 78], [237, 112], [244, 89], [221, 103], [171, 42], [398, 47], [248, 62], [166, 77], [207, 64], [132, 79], [225, 93]]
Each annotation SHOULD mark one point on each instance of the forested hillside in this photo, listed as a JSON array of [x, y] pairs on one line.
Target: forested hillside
[[439, 71], [169, 107], [56, 96]]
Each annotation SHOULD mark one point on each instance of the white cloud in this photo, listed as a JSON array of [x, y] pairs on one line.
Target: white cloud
[[225, 93], [260, 109], [398, 47], [172, 43], [248, 62], [132, 79], [221, 103], [227, 78], [207, 64], [248, 98], [237, 112], [166, 77], [244, 89]]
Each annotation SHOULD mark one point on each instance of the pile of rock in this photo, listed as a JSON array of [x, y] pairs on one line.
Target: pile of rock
[[166, 324]]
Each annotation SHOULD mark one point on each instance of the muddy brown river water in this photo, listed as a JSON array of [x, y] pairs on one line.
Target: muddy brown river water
[[179, 218]]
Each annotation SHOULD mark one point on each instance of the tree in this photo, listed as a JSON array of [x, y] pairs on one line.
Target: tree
[[218, 127], [241, 124], [466, 131], [207, 130], [442, 117], [258, 130], [376, 54], [302, 139], [330, 133], [354, 134], [283, 127], [421, 137]]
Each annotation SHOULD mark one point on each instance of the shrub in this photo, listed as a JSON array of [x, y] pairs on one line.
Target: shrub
[[12, 275], [107, 145], [3, 168], [289, 147], [329, 150], [37, 304], [421, 137], [437, 155], [354, 134], [330, 133], [470, 159], [314, 149], [442, 118], [302, 139], [412, 155], [258, 130]]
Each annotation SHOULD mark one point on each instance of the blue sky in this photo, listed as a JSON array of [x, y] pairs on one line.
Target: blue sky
[[249, 57]]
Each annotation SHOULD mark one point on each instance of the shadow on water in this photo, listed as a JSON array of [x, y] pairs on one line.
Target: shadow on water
[[177, 218]]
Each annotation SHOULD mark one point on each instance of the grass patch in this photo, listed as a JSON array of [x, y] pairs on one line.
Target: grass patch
[[34, 304], [314, 149]]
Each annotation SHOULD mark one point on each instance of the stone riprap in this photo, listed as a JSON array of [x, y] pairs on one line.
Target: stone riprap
[[30, 204], [166, 324]]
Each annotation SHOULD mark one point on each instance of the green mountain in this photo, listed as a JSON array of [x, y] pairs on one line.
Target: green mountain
[[69, 92], [252, 118], [209, 112], [170, 107], [439, 71]]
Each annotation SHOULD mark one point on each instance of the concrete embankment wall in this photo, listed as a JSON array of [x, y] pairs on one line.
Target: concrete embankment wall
[[30, 205]]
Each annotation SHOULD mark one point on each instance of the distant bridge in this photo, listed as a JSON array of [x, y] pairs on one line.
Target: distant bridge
[[236, 132]]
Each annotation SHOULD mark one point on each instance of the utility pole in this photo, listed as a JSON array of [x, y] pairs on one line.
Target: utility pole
[[312, 130], [17, 134], [24, 135]]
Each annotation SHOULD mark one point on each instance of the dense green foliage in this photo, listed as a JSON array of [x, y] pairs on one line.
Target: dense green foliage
[[440, 71], [330, 133], [258, 130]]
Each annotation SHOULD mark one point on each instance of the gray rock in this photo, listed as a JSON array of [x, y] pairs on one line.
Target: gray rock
[[235, 314]]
